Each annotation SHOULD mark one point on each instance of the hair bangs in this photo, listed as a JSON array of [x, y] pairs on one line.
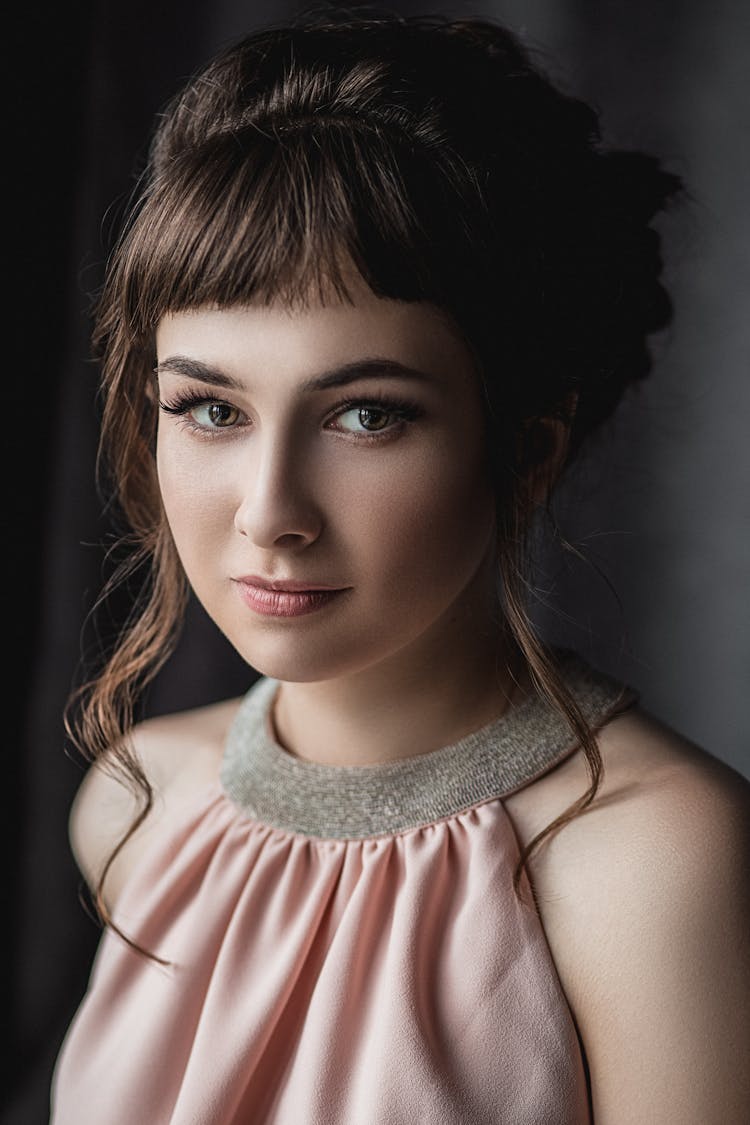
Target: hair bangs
[[259, 217]]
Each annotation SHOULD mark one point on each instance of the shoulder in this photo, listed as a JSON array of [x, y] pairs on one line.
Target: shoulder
[[179, 754], [644, 901], [647, 767]]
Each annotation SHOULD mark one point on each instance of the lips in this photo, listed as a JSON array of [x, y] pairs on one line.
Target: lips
[[286, 585], [271, 602]]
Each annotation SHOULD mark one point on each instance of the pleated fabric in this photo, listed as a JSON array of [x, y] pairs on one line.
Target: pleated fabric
[[386, 979]]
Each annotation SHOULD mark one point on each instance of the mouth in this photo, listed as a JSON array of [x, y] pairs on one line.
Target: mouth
[[271, 602], [286, 585]]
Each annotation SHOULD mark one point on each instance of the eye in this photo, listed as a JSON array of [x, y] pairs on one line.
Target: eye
[[215, 414], [373, 418], [378, 416], [202, 414]]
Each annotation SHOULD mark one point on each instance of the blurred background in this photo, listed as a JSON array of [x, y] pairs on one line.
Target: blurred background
[[661, 506]]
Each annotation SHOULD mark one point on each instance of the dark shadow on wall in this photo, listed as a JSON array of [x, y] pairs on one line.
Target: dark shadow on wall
[[89, 80]]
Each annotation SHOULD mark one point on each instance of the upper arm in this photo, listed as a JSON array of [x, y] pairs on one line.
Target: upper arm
[[179, 754], [652, 939], [103, 809]]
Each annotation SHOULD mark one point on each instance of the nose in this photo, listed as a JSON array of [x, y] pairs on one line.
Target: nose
[[276, 506]]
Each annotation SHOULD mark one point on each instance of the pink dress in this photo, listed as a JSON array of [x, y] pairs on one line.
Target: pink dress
[[347, 947]]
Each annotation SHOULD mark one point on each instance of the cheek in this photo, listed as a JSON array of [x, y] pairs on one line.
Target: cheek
[[425, 522], [192, 496]]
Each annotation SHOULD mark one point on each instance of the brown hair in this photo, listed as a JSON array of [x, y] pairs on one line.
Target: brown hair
[[432, 156]]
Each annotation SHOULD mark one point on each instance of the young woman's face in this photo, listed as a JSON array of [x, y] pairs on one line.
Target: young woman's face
[[372, 482]]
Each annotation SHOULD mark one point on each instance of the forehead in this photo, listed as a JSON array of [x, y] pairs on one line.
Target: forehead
[[250, 339]]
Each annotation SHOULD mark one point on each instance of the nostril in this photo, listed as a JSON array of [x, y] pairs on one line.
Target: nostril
[[272, 530]]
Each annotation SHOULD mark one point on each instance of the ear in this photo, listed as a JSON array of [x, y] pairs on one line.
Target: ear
[[545, 444]]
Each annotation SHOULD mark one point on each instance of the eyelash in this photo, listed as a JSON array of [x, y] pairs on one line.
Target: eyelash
[[402, 409]]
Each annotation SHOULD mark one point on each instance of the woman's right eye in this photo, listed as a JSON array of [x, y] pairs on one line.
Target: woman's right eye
[[201, 414], [215, 415]]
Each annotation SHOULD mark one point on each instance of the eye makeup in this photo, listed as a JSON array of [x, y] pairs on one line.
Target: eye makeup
[[184, 404]]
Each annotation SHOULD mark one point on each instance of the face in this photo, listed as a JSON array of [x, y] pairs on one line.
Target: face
[[371, 482]]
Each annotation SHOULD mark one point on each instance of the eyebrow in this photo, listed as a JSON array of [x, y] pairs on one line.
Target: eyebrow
[[334, 377]]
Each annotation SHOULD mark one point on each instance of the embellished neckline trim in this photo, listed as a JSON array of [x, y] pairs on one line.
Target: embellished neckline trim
[[332, 801]]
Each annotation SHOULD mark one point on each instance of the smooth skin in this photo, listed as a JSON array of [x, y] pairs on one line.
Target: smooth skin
[[296, 487], [644, 897]]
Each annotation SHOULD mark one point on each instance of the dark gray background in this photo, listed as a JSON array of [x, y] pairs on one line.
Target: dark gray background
[[660, 507]]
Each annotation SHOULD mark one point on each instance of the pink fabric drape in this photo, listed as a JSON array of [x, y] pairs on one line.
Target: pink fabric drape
[[324, 982]]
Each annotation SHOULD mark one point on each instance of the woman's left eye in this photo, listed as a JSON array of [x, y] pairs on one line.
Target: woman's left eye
[[369, 417], [377, 415]]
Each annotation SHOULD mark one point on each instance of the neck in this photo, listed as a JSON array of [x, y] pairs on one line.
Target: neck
[[465, 673]]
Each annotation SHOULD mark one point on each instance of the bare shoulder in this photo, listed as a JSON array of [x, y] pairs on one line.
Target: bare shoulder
[[645, 902], [179, 754], [644, 762]]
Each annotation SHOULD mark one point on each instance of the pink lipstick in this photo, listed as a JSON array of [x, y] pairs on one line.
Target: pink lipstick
[[285, 602]]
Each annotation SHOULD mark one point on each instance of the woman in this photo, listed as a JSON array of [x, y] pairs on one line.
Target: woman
[[380, 286]]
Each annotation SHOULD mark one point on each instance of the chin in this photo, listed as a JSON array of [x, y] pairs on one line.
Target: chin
[[284, 658], [299, 659]]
